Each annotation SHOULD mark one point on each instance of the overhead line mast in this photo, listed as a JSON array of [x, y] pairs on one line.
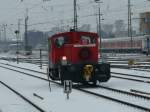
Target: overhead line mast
[[130, 22], [26, 30], [75, 16]]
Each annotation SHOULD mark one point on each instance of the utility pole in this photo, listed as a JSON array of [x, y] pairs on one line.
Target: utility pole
[[19, 20], [4, 26], [75, 16], [99, 17], [130, 22], [99, 23], [99, 13], [17, 52], [0, 35], [26, 29]]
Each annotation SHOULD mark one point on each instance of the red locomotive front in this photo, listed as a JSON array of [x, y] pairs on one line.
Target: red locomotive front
[[74, 56]]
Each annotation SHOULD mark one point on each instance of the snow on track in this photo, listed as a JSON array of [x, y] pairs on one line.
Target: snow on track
[[122, 97], [131, 71], [10, 102], [127, 85], [56, 100]]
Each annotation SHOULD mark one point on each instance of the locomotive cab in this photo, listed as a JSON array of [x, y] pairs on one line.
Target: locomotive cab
[[74, 56]]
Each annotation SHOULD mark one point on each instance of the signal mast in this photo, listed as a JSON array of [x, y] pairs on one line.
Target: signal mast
[[75, 16]]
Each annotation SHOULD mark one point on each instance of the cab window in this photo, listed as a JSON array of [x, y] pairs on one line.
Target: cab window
[[59, 41], [87, 40]]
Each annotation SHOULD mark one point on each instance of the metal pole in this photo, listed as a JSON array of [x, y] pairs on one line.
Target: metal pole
[[128, 18], [130, 22], [99, 24], [26, 28], [148, 45], [5, 40], [4, 32], [17, 52], [100, 35], [19, 20], [41, 58], [0, 35], [99, 21], [75, 16], [17, 35]]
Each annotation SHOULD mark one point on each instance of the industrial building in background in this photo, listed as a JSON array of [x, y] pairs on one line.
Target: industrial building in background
[[145, 23]]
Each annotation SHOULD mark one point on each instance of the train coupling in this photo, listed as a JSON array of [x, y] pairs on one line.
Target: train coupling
[[87, 70]]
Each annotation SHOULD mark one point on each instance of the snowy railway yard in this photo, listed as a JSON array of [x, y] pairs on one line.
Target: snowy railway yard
[[128, 90], [58, 56]]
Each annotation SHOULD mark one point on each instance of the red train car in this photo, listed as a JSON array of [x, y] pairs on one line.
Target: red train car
[[123, 44], [74, 56]]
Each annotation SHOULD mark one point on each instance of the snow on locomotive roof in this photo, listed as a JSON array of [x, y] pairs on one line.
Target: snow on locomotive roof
[[123, 38]]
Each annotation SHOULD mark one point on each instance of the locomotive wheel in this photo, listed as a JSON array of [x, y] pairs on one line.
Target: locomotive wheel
[[85, 83], [95, 82], [60, 76], [62, 82]]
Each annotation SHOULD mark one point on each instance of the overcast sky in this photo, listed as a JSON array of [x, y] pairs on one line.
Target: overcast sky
[[44, 15]]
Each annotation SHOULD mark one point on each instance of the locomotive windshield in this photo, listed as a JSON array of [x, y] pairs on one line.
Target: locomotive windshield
[[59, 41], [87, 40]]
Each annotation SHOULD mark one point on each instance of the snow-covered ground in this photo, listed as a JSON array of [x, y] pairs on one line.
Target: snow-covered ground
[[9, 102], [131, 71], [55, 101]]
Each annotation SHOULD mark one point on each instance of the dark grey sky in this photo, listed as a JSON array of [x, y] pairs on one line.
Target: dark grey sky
[[60, 12]]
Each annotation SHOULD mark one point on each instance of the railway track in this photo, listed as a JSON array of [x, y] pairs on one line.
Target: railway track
[[116, 100], [116, 90], [128, 77], [23, 68], [126, 62], [23, 97], [45, 73], [25, 60], [113, 65], [128, 67], [141, 70], [97, 94], [117, 75], [136, 76]]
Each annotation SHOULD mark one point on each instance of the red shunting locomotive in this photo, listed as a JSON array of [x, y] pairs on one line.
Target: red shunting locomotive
[[74, 56]]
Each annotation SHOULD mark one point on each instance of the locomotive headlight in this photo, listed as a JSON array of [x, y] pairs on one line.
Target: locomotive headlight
[[64, 60]]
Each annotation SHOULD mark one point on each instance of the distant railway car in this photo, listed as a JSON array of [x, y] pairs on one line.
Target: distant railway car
[[146, 45], [74, 56], [123, 44]]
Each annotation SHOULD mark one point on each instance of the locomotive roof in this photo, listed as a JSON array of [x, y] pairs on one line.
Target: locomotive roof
[[79, 32]]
